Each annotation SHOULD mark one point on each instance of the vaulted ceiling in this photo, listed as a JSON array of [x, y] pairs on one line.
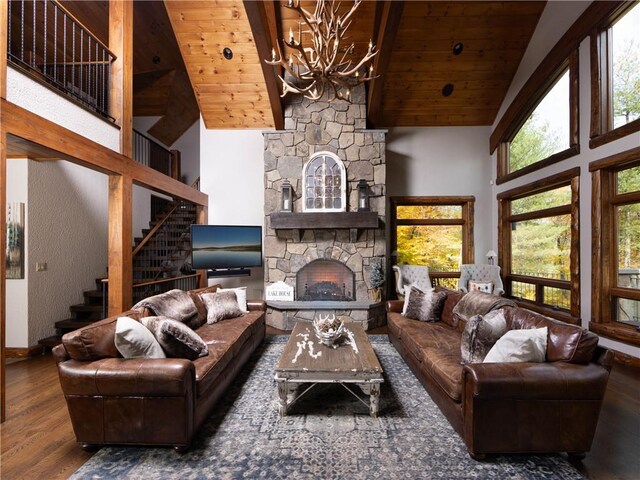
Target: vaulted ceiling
[[416, 60], [179, 53]]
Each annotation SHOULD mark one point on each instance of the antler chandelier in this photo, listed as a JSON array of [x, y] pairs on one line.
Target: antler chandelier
[[326, 62]]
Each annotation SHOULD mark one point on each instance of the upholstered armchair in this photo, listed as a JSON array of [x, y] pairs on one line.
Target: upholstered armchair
[[480, 273], [417, 275]]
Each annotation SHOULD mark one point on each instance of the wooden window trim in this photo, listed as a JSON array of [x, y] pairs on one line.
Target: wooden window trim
[[466, 222], [603, 253], [527, 97], [570, 64], [602, 131], [569, 177]]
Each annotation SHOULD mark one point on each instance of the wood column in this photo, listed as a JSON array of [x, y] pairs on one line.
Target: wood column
[[120, 244], [3, 270], [176, 165], [202, 218], [4, 49], [121, 86]]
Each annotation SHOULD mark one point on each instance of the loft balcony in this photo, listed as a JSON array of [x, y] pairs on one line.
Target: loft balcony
[[47, 42]]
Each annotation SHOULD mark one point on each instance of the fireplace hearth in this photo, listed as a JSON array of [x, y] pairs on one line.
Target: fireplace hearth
[[325, 280]]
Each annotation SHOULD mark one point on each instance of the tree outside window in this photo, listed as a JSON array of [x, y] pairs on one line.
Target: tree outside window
[[433, 231]]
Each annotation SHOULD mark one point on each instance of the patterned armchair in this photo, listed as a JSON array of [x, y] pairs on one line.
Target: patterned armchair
[[480, 273], [417, 275]]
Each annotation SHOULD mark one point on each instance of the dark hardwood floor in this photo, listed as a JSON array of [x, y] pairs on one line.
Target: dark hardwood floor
[[37, 440]]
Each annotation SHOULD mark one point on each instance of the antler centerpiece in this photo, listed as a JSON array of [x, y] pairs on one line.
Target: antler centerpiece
[[328, 329], [326, 63]]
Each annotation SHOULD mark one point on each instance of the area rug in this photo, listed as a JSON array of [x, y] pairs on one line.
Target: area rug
[[328, 434]]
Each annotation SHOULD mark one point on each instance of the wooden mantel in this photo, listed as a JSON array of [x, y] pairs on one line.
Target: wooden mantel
[[355, 222]]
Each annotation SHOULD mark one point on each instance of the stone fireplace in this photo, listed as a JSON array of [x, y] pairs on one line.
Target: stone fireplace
[[325, 256]]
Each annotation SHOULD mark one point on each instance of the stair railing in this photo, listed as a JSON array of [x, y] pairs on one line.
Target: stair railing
[[155, 287]]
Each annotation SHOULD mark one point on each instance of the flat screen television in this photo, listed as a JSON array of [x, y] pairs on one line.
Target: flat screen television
[[219, 247]]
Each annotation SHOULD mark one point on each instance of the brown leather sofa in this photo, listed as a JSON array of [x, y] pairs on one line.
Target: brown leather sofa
[[509, 407], [112, 400]]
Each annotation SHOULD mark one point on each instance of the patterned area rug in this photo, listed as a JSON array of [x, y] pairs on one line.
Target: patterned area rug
[[328, 434]]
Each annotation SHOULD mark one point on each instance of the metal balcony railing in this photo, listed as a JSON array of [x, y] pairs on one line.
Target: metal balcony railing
[[46, 41], [150, 153]]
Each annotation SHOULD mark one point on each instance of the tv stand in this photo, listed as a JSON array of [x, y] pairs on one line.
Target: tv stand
[[229, 272]]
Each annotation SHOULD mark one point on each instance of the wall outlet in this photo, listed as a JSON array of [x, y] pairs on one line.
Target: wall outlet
[[41, 266]]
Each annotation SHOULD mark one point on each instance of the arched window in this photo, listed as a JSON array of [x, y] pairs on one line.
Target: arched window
[[325, 184]]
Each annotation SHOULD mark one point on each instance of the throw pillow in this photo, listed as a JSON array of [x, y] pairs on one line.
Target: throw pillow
[[176, 339], [133, 340], [201, 317], [484, 287], [519, 346], [241, 295], [425, 306], [480, 334], [221, 305]]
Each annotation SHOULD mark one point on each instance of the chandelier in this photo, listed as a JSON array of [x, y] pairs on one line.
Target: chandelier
[[326, 63]]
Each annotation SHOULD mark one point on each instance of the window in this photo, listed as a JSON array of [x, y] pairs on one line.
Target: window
[[615, 71], [324, 184], [433, 231], [616, 259], [540, 245], [548, 131]]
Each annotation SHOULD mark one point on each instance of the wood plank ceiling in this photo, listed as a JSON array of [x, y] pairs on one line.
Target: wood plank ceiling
[[420, 62], [416, 60]]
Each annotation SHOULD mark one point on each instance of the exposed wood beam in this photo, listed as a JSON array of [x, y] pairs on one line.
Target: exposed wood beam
[[4, 18], [120, 241], [59, 143], [389, 24], [258, 19], [3, 267], [121, 86]]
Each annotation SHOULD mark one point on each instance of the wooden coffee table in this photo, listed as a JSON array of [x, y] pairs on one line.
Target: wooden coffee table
[[306, 360]]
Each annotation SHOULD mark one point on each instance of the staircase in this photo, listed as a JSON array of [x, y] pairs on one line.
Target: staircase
[[81, 314], [161, 253], [166, 244]]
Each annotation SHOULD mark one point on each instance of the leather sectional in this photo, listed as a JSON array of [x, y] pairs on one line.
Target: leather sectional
[[150, 401], [509, 407]]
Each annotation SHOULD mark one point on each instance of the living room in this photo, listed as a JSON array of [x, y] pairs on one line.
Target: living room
[[434, 161]]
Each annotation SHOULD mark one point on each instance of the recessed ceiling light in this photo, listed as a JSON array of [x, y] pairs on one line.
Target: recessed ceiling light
[[228, 53], [447, 90], [457, 48]]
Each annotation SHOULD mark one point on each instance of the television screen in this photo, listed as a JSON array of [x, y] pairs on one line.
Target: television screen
[[226, 246]]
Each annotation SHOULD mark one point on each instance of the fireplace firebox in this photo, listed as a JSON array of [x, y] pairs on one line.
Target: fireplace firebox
[[324, 279]]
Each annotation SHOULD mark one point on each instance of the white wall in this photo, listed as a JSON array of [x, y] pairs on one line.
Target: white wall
[[67, 221], [31, 95], [232, 175], [444, 161], [17, 296], [556, 18]]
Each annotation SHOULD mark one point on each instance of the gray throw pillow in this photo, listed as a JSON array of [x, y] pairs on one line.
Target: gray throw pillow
[[480, 334], [425, 306], [176, 339], [221, 305]]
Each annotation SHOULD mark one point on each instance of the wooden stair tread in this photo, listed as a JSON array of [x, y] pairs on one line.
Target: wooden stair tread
[[73, 323], [50, 342]]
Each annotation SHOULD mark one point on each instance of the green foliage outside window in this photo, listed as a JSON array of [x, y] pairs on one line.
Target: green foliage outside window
[[626, 68]]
